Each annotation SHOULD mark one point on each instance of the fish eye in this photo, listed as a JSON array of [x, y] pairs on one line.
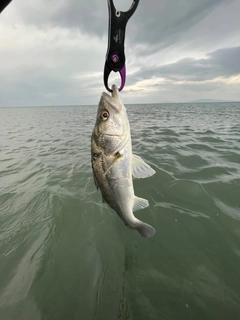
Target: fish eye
[[104, 115]]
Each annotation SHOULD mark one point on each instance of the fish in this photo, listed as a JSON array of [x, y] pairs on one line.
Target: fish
[[114, 165]]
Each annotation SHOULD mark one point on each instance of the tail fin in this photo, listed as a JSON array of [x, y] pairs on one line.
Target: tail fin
[[145, 230]]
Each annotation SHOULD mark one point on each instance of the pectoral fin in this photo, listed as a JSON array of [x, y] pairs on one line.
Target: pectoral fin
[[141, 169], [117, 157]]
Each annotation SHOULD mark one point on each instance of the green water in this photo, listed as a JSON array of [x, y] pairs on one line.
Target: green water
[[64, 255]]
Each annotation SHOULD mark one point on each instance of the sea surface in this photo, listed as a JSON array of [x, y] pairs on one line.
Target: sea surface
[[64, 255]]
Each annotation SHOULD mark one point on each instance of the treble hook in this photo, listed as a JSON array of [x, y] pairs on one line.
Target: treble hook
[[115, 57]]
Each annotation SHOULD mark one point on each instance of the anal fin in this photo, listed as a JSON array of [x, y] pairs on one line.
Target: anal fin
[[139, 203]]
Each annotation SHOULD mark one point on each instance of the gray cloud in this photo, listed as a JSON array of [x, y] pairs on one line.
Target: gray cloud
[[155, 22], [220, 63], [155, 25], [161, 23]]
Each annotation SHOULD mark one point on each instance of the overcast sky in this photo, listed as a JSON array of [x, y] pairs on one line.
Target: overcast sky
[[52, 52]]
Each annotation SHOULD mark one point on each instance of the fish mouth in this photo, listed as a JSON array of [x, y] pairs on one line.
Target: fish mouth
[[115, 92], [113, 101]]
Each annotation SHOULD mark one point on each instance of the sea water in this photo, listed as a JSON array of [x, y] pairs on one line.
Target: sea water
[[64, 255]]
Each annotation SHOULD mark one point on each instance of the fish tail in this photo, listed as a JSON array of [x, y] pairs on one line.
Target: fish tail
[[145, 230]]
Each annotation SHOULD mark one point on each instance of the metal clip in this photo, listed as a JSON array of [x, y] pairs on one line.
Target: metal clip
[[115, 57]]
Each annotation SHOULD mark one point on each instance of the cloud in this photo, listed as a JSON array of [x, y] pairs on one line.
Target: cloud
[[220, 63], [159, 23], [49, 66], [162, 23], [216, 77], [53, 52]]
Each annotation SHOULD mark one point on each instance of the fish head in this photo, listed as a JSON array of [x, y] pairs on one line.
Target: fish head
[[111, 115]]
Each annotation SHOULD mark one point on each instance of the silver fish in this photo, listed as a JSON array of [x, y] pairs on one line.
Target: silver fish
[[113, 163]]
